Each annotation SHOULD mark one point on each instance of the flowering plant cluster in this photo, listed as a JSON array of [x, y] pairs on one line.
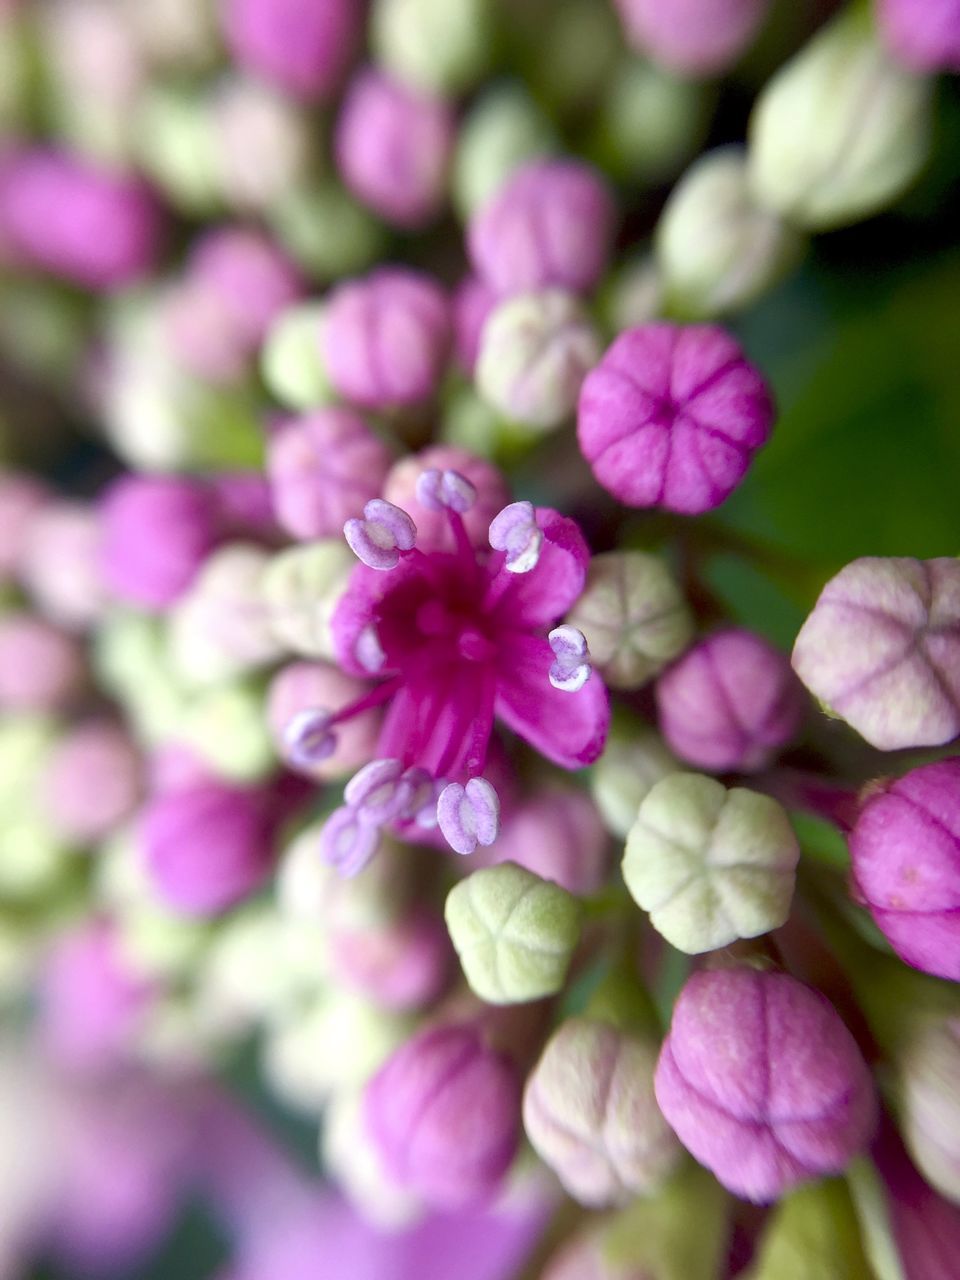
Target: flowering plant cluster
[[373, 726]]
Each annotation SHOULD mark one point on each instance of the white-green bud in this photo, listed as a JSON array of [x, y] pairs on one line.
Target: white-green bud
[[514, 933], [841, 130], [291, 360], [329, 233], [634, 758], [227, 728], [349, 1155], [717, 248], [176, 145], [438, 47], [928, 1070], [812, 1232], [633, 615], [501, 131], [633, 295], [710, 865], [650, 121], [302, 587]]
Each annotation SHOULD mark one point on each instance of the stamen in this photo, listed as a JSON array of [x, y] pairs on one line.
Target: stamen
[[379, 793], [378, 539], [308, 738], [424, 790], [437, 490], [571, 668], [469, 815], [347, 843], [515, 531]]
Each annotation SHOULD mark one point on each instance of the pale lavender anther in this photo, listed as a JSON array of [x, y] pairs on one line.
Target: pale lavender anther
[[424, 792], [381, 535], [469, 815], [380, 792], [308, 738], [571, 667], [515, 531], [437, 490], [346, 842]]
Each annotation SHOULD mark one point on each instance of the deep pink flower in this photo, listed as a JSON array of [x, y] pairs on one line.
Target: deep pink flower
[[696, 37], [302, 46], [922, 34], [671, 417], [457, 635]]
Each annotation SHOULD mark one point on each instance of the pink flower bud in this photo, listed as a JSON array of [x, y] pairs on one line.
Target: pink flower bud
[[156, 533], [923, 34], [21, 498], [443, 1113], [323, 468], [671, 417], [302, 46], [730, 703], [386, 338], [433, 528], [304, 686], [905, 848], [550, 224], [393, 148], [881, 649], [558, 834], [399, 964], [762, 1082], [61, 564], [91, 782], [62, 214], [40, 667], [693, 37]]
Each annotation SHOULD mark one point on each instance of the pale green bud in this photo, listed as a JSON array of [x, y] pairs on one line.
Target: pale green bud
[[176, 146], [304, 882], [32, 857], [514, 933], [650, 121], [327, 231], [927, 1074], [501, 131], [291, 360], [717, 248], [841, 130], [158, 944], [352, 1160], [535, 351], [302, 587], [227, 728], [812, 1232], [710, 865], [131, 660], [633, 616], [264, 143], [634, 759], [436, 46], [470, 423], [633, 295]]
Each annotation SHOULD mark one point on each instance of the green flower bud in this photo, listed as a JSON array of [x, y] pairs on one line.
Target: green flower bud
[[301, 588], [633, 760], [291, 360], [590, 1112], [503, 129], [841, 130], [132, 662], [812, 1232], [710, 865], [327, 231], [577, 49], [470, 423], [633, 295], [535, 351], [633, 616], [176, 146], [650, 122], [514, 933], [718, 250], [32, 857], [227, 728], [159, 945], [436, 46]]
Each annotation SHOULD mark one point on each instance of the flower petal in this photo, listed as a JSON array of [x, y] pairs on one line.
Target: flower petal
[[542, 596]]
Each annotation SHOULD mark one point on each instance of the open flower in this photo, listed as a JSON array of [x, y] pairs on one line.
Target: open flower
[[457, 635]]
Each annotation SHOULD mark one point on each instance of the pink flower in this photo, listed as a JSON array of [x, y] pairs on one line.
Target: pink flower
[[671, 417], [302, 46], [458, 635], [922, 34]]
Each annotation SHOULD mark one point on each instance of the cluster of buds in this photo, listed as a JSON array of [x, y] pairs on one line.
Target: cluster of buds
[[368, 704]]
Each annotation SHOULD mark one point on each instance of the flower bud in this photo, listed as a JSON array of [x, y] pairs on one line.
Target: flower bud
[[291, 359], [502, 131], [814, 1231], [444, 1114], [923, 35], [694, 37], [905, 848], [262, 142], [762, 1082], [347, 1152], [842, 85], [306, 686], [22, 497], [633, 616], [41, 667], [87, 225], [436, 46], [393, 148], [558, 835], [61, 565], [301, 47], [717, 249], [551, 223], [301, 588], [590, 1112], [710, 865], [323, 469], [535, 350], [633, 760], [731, 702], [176, 147], [650, 122], [402, 964], [493, 493], [91, 781], [881, 650], [156, 533], [928, 1103], [386, 338], [471, 306], [224, 726], [671, 417], [32, 856], [332, 234], [514, 933]]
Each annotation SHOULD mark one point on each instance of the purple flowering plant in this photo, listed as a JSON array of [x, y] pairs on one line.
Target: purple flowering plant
[[479, 639]]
